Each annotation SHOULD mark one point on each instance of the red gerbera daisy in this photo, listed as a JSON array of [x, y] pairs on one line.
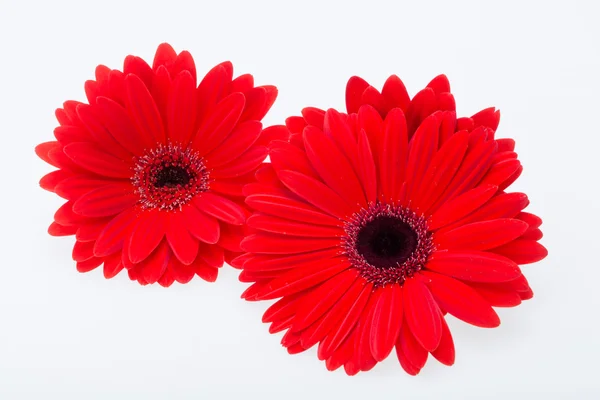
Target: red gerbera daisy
[[371, 226], [153, 167]]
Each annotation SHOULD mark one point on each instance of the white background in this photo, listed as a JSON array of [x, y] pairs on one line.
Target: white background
[[65, 335]]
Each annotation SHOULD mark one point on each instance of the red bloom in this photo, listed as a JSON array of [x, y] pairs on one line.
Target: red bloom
[[371, 226], [153, 167]]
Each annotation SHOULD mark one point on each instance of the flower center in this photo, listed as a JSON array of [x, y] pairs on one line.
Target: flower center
[[168, 177], [172, 177], [387, 243]]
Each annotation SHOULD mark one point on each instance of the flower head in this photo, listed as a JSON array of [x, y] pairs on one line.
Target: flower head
[[153, 167], [372, 226]]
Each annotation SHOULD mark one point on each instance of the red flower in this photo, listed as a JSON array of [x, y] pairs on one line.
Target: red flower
[[153, 167], [371, 226]]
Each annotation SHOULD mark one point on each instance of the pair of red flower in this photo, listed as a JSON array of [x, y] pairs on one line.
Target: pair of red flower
[[368, 226]]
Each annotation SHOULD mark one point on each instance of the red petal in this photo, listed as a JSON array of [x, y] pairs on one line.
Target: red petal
[[119, 124], [282, 226], [155, 264], [297, 280], [489, 117], [285, 207], [143, 109], [275, 244], [421, 106], [474, 266], [330, 323], [161, 86], [272, 133], [59, 230], [183, 245], [282, 309], [136, 65], [202, 226], [79, 185], [395, 93], [366, 167], [116, 85], [423, 147], [474, 166], [505, 205], [263, 262], [89, 265], [235, 144], [146, 235], [439, 84], [422, 314], [500, 172], [343, 355], [443, 166], [259, 101], [408, 346], [266, 174], [219, 124], [445, 351], [505, 144], [106, 200], [522, 251], [65, 215], [461, 206], [387, 320], [83, 251], [181, 109], [112, 266], [533, 234], [90, 117], [213, 88], [316, 193], [482, 235], [231, 237], [461, 301], [337, 127], [213, 256], [392, 163], [113, 235], [67, 134], [372, 97], [285, 156], [354, 90], [93, 159], [43, 149], [220, 208], [206, 272], [363, 357], [180, 272], [532, 220], [350, 319], [49, 181], [321, 299], [244, 164], [497, 297], [333, 166], [242, 83], [314, 116], [185, 62]]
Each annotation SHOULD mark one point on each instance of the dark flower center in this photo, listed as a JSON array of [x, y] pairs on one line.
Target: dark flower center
[[172, 176], [168, 177], [386, 242]]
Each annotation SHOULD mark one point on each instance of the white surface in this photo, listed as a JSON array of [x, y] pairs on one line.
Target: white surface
[[65, 335]]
